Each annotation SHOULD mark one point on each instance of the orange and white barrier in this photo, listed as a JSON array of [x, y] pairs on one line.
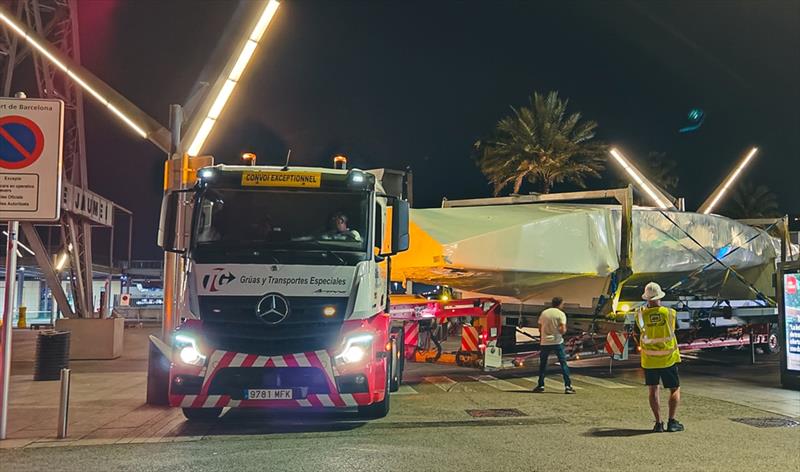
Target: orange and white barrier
[[469, 338], [410, 338], [616, 345]]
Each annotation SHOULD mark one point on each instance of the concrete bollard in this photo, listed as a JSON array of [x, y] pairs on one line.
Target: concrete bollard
[[63, 404]]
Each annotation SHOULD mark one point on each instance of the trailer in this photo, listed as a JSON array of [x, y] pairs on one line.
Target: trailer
[[524, 249], [429, 325]]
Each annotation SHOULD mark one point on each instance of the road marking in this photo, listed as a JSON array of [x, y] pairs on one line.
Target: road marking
[[599, 382], [444, 383], [406, 390], [500, 384], [549, 382], [557, 384]]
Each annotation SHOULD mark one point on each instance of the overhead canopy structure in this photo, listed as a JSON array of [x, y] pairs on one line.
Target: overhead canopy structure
[[531, 252]]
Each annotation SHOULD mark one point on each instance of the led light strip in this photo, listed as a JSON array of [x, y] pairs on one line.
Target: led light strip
[[639, 181], [730, 180], [72, 75], [233, 78]]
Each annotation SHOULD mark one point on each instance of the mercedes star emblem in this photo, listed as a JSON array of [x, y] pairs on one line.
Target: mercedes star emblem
[[272, 309]]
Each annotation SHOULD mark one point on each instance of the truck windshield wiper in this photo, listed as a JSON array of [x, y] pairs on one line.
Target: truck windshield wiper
[[327, 251], [270, 254]]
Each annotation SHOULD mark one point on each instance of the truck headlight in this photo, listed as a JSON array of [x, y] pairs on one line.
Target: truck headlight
[[188, 352], [355, 349]]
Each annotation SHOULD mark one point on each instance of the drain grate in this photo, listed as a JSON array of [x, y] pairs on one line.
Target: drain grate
[[495, 413], [768, 422]]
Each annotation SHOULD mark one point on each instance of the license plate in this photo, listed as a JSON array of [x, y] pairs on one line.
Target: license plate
[[268, 394]]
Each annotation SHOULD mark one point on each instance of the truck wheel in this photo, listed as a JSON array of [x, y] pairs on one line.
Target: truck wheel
[[381, 408], [773, 345], [398, 362], [201, 414]]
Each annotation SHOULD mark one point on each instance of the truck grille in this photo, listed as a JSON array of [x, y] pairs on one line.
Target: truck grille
[[231, 324]]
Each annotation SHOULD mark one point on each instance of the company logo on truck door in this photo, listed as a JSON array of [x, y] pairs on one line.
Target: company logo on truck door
[[215, 280], [288, 280]]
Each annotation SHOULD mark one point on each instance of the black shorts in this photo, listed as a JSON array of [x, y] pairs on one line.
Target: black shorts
[[668, 376]]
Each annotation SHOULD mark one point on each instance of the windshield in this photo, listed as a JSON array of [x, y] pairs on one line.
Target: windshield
[[274, 226]]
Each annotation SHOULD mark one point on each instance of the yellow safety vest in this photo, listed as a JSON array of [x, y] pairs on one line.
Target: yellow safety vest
[[658, 342]]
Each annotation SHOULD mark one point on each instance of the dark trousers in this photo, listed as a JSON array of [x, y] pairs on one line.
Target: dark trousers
[[558, 349]]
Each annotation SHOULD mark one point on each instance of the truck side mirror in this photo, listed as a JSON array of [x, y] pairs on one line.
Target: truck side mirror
[[400, 237], [168, 237]]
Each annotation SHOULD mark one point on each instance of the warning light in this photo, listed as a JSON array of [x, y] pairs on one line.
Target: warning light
[[339, 162], [249, 158], [625, 307], [328, 311]]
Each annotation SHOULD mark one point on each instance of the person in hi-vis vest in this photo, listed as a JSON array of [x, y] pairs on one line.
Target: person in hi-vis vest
[[660, 355]]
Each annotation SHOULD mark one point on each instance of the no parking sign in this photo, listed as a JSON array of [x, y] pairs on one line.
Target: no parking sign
[[31, 141]]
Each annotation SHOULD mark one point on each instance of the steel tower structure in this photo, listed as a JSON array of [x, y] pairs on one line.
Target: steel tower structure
[[57, 21]]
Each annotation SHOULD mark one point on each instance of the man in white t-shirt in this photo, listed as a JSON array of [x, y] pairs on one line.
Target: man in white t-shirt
[[552, 326]]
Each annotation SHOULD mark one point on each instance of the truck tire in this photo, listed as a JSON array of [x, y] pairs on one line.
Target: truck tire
[[201, 414], [381, 408], [398, 361], [773, 345]]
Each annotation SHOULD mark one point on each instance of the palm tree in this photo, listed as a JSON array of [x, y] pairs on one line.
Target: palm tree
[[750, 201], [541, 144]]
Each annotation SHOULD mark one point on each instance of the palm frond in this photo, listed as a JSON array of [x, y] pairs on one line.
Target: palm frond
[[541, 144]]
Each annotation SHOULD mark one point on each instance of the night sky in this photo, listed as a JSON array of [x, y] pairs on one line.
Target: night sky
[[395, 84]]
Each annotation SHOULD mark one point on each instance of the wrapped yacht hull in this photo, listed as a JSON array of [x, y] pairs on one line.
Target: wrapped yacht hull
[[531, 252]]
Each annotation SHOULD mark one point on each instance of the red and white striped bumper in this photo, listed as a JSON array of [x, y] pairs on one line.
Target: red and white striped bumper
[[220, 360]]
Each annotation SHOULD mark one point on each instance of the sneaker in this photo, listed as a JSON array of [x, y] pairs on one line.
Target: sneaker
[[659, 427], [538, 389], [673, 426], [569, 390]]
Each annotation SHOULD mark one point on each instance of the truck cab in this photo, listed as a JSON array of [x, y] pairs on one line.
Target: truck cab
[[286, 294]]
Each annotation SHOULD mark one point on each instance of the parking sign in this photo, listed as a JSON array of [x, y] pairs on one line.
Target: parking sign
[[31, 142]]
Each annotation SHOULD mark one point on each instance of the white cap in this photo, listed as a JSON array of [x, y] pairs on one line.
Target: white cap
[[652, 291]]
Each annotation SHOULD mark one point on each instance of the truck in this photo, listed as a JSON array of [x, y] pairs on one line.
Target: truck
[[286, 298]]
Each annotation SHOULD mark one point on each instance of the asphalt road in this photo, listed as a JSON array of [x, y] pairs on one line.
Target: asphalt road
[[604, 427]]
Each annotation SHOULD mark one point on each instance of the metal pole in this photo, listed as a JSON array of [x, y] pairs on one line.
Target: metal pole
[[63, 404], [53, 309], [109, 301], [172, 267], [127, 287], [8, 312]]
